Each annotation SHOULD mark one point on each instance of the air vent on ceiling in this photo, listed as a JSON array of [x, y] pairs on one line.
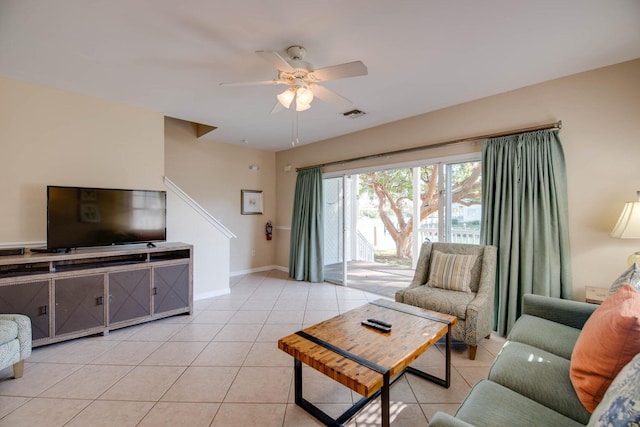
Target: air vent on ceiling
[[354, 114]]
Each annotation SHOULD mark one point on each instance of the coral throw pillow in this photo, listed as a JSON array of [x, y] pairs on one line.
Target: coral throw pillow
[[608, 341]]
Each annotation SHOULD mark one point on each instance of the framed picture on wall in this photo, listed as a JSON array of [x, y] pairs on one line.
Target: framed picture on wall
[[251, 202]]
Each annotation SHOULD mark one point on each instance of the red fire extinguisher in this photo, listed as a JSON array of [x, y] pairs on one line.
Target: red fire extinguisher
[[268, 230]]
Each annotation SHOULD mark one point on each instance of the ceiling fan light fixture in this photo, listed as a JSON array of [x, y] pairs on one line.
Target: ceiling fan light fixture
[[304, 95], [301, 106], [286, 98]]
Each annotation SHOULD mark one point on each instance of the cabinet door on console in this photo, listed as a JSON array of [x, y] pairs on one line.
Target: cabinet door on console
[[170, 287], [30, 299], [129, 295], [79, 303]]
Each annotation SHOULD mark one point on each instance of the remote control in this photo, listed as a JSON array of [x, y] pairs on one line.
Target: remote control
[[380, 322], [376, 326]]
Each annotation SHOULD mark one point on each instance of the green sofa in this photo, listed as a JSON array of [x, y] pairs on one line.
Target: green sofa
[[528, 383]]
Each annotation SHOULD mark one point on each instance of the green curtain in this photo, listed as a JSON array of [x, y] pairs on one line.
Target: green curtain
[[307, 246], [525, 214]]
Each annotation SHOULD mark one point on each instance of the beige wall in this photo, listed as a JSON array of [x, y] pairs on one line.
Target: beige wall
[[600, 111], [48, 136], [211, 247], [213, 175]]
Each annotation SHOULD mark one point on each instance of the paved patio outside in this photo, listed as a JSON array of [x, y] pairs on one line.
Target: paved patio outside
[[374, 277]]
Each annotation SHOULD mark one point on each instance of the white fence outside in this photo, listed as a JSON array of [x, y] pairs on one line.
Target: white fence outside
[[458, 235], [365, 249]]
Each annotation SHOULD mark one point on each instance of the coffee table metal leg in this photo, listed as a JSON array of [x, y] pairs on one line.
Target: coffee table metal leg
[[297, 381], [448, 359], [305, 404], [326, 419], [446, 382], [385, 400]]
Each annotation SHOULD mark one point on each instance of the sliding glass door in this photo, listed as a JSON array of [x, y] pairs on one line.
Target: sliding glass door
[[451, 207], [334, 216], [339, 221], [375, 222]]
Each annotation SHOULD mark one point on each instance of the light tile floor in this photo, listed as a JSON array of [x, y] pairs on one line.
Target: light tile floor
[[219, 367]]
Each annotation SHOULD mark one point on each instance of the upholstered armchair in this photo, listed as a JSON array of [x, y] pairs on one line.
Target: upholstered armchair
[[15, 342], [457, 279]]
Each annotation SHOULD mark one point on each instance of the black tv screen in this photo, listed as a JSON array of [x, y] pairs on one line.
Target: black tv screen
[[81, 217]]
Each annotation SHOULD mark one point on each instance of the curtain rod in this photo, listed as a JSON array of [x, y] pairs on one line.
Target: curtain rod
[[554, 125]]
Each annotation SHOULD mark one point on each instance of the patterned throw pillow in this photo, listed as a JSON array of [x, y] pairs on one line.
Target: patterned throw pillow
[[629, 277], [620, 405], [450, 271]]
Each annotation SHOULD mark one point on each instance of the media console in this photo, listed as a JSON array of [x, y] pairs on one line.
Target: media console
[[96, 290]]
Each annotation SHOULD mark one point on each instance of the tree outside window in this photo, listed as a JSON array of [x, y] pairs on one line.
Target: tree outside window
[[449, 202]]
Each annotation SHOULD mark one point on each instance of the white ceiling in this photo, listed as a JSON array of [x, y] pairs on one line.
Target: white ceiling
[[171, 55]]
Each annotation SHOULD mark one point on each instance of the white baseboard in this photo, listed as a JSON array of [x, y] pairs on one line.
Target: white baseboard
[[205, 295], [258, 270], [22, 245]]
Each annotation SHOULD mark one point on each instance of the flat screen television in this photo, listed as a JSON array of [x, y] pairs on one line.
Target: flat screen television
[[83, 217]]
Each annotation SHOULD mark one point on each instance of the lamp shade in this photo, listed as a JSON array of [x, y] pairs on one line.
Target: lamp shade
[[286, 97], [304, 95], [628, 226], [303, 98], [301, 106]]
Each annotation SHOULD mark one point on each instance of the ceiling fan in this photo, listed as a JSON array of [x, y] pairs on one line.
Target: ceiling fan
[[303, 80]]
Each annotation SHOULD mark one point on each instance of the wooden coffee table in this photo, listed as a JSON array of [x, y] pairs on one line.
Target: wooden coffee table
[[364, 359]]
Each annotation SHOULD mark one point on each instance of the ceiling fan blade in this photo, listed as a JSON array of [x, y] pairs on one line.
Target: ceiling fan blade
[[256, 83], [341, 71], [330, 97], [275, 59]]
